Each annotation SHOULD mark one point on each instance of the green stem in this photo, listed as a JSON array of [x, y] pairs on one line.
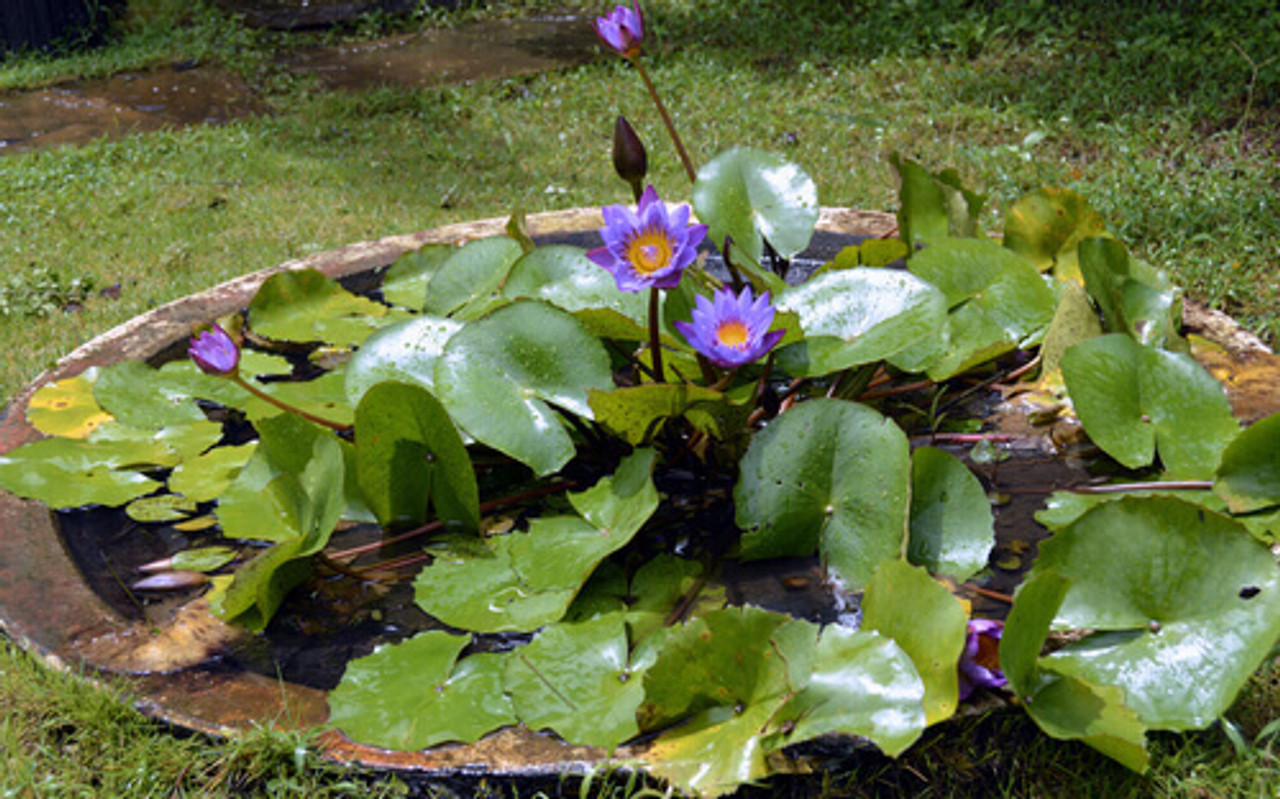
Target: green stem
[[265, 397], [666, 119], [655, 350]]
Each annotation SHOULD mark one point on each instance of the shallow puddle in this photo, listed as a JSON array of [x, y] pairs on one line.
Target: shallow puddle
[[81, 111]]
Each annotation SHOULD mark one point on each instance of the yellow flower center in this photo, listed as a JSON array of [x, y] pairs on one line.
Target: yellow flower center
[[731, 333], [649, 251]]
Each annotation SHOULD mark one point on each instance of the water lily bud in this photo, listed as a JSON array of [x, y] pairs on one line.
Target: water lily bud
[[214, 352], [630, 160], [622, 29]]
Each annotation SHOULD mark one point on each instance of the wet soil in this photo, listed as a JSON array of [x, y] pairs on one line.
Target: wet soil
[[76, 112]]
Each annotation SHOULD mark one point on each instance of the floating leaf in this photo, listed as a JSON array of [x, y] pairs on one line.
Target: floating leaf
[[1249, 476], [162, 508], [405, 351], [952, 528], [67, 407], [1046, 227], [576, 679], [523, 581], [308, 507], [1134, 400], [143, 397], [564, 277], [304, 305], [1134, 298], [863, 685], [638, 413], [857, 316], [934, 207], [203, 559], [1175, 592], [408, 451], [65, 473], [467, 283], [1065, 708], [732, 670], [498, 374], [405, 283], [208, 475], [416, 694], [803, 488], [754, 196], [997, 300], [904, 603]]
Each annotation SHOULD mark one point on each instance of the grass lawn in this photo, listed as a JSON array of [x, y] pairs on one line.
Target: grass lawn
[[1166, 117]]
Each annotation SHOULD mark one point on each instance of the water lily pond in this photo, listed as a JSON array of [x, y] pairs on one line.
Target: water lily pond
[[705, 493]]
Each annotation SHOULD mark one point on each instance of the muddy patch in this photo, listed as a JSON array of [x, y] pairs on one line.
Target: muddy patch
[[81, 111]]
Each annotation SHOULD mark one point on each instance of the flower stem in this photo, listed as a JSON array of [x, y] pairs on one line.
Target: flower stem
[[666, 119], [655, 350], [265, 397]]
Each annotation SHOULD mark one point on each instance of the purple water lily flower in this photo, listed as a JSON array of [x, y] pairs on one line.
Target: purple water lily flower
[[980, 660], [214, 352], [731, 330], [647, 248], [622, 29]]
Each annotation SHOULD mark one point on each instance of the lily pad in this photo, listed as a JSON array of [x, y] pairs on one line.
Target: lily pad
[[416, 694], [1134, 298], [803, 488], [857, 316], [905, 604], [67, 408], [566, 278], [1249, 476], [405, 283], [863, 685], [755, 196], [405, 351], [466, 284], [1134, 401], [952, 527], [1047, 226], [934, 207], [499, 376], [997, 299], [1175, 592], [304, 305], [408, 453], [143, 397], [576, 679], [1066, 708], [524, 580]]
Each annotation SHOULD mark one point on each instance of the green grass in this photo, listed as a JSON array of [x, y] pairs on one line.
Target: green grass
[[1165, 116]]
